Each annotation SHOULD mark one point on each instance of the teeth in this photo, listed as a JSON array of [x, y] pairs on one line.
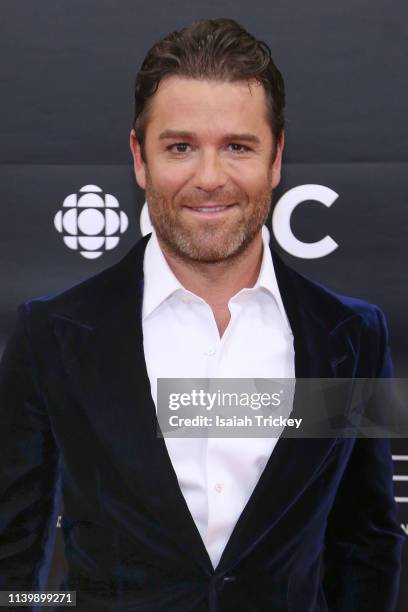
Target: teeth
[[211, 209]]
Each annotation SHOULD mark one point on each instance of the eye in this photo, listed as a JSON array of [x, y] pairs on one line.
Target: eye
[[178, 147], [239, 148]]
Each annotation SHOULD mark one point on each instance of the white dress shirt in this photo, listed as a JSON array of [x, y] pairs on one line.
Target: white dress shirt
[[181, 340]]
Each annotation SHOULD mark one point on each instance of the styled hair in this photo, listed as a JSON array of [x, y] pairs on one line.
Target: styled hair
[[212, 49]]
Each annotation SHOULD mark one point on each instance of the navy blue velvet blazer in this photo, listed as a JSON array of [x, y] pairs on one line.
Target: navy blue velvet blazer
[[78, 419]]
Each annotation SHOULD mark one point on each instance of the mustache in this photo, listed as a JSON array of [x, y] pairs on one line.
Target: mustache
[[221, 199]]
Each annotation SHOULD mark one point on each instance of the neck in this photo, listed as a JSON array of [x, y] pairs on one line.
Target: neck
[[218, 282]]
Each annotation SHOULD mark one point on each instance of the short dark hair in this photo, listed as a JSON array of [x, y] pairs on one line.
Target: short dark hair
[[216, 49]]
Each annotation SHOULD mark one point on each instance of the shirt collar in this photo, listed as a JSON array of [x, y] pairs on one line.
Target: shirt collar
[[156, 267], [159, 280], [267, 277]]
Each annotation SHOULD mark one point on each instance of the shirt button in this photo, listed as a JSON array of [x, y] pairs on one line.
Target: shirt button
[[211, 351], [185, 299], [219, 487]]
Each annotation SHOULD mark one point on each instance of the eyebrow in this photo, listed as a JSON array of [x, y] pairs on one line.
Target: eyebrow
[[247, 136]]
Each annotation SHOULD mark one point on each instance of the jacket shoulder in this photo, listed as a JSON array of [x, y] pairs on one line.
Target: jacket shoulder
[[371, 316], [368, 311], [96, 293]]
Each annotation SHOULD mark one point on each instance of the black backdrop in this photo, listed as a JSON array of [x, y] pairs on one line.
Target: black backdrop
[[66, 72]]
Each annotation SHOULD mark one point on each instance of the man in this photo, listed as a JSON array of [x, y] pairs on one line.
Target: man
[[166, 525]]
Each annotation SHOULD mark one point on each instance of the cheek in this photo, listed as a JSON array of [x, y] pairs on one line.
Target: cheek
[[168, 178], [254, 180]]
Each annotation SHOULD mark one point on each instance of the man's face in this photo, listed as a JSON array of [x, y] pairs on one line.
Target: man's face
[[207, 143]]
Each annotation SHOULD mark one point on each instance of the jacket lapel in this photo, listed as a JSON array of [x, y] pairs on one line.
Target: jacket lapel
[[102, 350], [325, 335]]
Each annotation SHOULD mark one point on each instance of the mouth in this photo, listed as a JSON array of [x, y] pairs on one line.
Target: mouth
[[210, 210]]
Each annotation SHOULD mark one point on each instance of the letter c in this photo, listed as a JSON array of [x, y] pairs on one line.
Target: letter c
[[282, 215]]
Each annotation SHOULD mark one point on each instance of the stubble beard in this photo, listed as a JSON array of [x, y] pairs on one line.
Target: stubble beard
[[206, 242]]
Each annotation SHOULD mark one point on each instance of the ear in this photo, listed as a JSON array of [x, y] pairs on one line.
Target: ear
[[138, 163], [277, 163]]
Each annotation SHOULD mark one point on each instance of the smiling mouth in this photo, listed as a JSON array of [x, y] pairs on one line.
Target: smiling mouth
[[210, 210]]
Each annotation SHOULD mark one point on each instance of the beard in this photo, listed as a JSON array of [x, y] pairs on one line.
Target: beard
[[208, 240]]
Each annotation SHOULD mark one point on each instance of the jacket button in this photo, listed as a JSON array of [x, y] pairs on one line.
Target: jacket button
[[230, 578]]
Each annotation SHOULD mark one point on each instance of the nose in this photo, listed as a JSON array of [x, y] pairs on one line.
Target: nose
[[209, 174]]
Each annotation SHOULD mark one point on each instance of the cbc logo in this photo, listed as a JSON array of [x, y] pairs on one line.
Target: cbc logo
[[281, 221], [91, 222]]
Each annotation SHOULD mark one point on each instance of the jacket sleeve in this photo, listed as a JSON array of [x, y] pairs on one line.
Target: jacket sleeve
[[28, 466], [364, 539]]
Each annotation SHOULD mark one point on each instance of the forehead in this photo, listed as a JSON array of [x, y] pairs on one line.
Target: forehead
[[198, 105]]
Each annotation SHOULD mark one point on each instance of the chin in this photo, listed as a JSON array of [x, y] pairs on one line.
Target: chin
[[210, 254]]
